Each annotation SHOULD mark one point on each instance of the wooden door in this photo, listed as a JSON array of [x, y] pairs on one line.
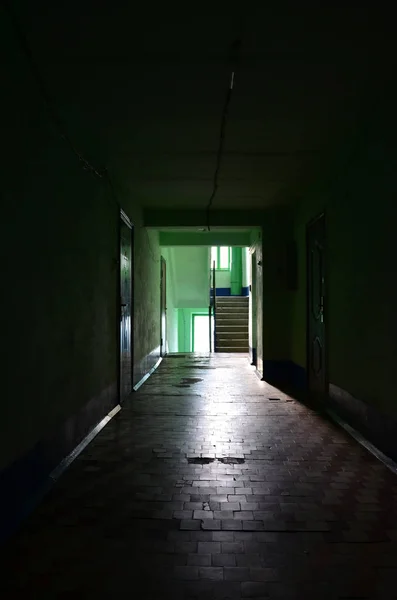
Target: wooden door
[[163, 308], [125, 306], [316, 307]]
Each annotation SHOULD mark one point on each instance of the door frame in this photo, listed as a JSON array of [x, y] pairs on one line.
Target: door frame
[[123, 218], [322, 215], [196, 314], [163, 300], [253, 318]]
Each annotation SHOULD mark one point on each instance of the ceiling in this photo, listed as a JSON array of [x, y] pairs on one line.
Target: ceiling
[[142, 92]]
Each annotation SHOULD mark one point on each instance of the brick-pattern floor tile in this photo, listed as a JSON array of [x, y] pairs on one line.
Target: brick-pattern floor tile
[[297, 510], [213, 573]]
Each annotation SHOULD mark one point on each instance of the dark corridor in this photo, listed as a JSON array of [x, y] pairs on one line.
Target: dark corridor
[[212, 484]]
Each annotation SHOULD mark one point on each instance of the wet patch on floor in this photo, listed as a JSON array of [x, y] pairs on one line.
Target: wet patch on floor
[[206, 460]]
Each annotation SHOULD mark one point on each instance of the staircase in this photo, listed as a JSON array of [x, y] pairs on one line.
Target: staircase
[[232, 324]]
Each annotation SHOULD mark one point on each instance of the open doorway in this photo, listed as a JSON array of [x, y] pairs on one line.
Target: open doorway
[[126, 305], [201, 333], [163, 307], [193, 289]]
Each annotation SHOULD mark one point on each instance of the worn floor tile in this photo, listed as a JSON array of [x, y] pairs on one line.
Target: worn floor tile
[[223, 488]]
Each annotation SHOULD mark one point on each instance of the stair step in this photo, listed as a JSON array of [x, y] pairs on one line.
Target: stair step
[[224, 321], [230, 303], [225, 299], [234, 335], [232, 324], [233, 349], [232, 309], [231, 342]]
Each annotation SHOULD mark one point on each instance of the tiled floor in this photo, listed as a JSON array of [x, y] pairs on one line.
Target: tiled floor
[[212, 484]]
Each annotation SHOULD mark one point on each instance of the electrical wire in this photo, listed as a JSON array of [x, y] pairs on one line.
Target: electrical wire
[[55, 117], [48, 100], [234, 56]]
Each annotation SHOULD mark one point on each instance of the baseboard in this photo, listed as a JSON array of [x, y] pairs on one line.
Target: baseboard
[[284, 373], [380, 429], [67, 461], [386, 460], [144, 367], [221, 291], [228, 291], [145, 377], [24, 483]]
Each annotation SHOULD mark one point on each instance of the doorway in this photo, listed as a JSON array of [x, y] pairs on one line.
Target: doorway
[[316, 307], [126, 305], [201, 332], [163, 307]]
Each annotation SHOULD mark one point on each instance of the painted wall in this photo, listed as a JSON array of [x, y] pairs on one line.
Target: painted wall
[[147, 296], [172, 311], [190, 275], [246, 265], [187, 286], [257, 249], [61, 267], [361, 212], [185, 334], [205, 238], [222, 279], [277, 299]]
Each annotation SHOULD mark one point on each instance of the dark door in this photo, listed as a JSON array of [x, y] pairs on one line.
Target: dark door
[[252, 311], [316, 307], [125, 306], [163, 308]]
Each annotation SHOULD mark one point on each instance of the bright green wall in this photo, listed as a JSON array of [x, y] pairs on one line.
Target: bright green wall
[[189, 268], [236, 274], [172, 313], [185, 338], [187, 285], [361, 212]]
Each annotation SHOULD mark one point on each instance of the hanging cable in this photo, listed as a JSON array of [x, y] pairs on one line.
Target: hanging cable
[[48, 100], [234, 56]]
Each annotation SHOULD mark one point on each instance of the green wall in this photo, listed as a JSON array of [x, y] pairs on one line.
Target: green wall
[[61, 266], [236, 272], [172, 312], [185, 335], [189, 275], [361, 213], [187, 286]]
